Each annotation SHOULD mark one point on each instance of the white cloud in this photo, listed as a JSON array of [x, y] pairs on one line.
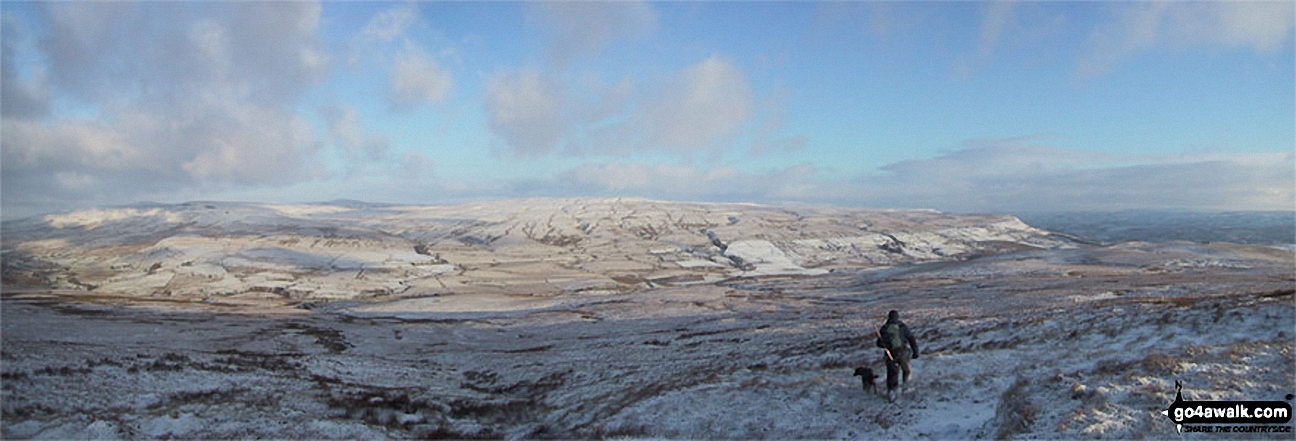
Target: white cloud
[[418, 79], [701, 106], [708, 106], [390, 23], [176, 101], [528, 110], [250, 145], [1020, 175], [1265, 26], [93, 49], [32, 144], [586, 29], [345, 132], [1139, 27], [217, 142], [386, 27]]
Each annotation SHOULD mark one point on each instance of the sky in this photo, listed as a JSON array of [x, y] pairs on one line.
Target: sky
[[954, 106]]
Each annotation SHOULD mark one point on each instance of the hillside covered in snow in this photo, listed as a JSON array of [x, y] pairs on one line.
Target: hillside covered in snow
[[613, 318], [353, 250]]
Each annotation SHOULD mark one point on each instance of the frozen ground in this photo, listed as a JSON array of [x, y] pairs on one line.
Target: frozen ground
[[1031, 340]]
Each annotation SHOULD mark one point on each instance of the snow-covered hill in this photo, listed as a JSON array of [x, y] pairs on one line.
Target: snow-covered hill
[[541, 246]]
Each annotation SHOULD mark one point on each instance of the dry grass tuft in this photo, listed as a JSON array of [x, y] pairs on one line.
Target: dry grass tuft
[[1015, 413], [1161, 365]]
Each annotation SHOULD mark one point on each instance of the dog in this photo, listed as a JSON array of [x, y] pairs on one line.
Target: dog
[[868, 378]]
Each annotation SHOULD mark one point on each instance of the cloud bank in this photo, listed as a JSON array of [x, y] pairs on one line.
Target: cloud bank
[[992, 175], [1018, 176]]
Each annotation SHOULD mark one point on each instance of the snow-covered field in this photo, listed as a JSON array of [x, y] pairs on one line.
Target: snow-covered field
[[616, 318]]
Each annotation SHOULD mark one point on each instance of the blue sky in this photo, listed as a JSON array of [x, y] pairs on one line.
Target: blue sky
[[958, 106]]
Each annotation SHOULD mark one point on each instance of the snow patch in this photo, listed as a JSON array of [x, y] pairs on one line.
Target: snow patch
[[765, 258], [309, 210], [91, 219]]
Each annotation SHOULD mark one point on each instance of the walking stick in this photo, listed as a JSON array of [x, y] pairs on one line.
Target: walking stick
[[878, 333]]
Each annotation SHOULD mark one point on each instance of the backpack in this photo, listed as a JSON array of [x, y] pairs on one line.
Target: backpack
[[892, 336]]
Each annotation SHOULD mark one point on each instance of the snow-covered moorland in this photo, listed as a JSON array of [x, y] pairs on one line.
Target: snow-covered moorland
[[541, 246], [616, 318]]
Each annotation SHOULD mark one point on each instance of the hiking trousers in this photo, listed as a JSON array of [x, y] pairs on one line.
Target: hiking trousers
[[895, 366]]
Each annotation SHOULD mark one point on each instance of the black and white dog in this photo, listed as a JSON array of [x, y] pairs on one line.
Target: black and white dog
[[868, 378]]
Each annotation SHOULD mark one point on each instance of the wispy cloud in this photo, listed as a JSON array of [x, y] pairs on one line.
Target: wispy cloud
[[999, 18], [346, 133], [1134, 28], [771, 132], [388, 24]]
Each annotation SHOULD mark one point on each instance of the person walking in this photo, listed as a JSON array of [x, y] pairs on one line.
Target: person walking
[[900, 347]]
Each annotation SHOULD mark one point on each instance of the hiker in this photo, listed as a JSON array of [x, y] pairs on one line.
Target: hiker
[[892, 337]]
